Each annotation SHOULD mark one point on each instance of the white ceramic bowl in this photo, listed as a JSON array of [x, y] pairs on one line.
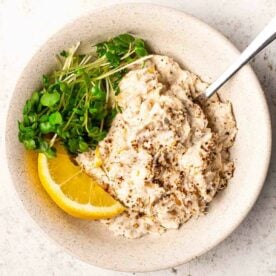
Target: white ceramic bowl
[[200, 49]]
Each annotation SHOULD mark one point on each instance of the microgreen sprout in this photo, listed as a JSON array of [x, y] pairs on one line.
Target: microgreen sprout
[[76, 105]]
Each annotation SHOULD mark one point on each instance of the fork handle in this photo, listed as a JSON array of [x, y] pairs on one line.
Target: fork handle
[[267, 35]]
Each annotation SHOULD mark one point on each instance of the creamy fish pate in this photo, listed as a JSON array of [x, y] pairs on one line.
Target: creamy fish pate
[[165, 156]]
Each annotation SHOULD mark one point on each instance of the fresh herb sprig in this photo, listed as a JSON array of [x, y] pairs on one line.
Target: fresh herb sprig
[[76, 103]]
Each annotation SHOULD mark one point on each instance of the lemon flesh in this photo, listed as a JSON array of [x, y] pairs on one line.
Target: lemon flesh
[[74, 191]]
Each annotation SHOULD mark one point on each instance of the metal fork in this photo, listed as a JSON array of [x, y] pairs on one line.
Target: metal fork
[[265, 37]]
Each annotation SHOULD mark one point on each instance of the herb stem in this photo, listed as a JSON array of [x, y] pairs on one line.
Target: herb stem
[[52, 141], [101, 127], [72, 114], [111, 72]]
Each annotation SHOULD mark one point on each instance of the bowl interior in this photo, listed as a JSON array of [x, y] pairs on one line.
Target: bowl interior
[[196, 47]]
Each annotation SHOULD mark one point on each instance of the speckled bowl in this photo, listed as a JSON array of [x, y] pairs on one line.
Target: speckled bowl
[[202, 50]]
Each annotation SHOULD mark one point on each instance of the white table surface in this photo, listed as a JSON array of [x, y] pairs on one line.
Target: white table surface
[[24, 250]]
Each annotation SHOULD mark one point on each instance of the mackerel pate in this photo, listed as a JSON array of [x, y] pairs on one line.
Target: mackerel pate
[[165, 156]]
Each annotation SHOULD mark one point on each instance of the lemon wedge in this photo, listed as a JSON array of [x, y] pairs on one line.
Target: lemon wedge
[[74, 191]]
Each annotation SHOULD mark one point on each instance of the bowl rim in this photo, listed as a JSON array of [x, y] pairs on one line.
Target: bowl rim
[[256, 83]]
